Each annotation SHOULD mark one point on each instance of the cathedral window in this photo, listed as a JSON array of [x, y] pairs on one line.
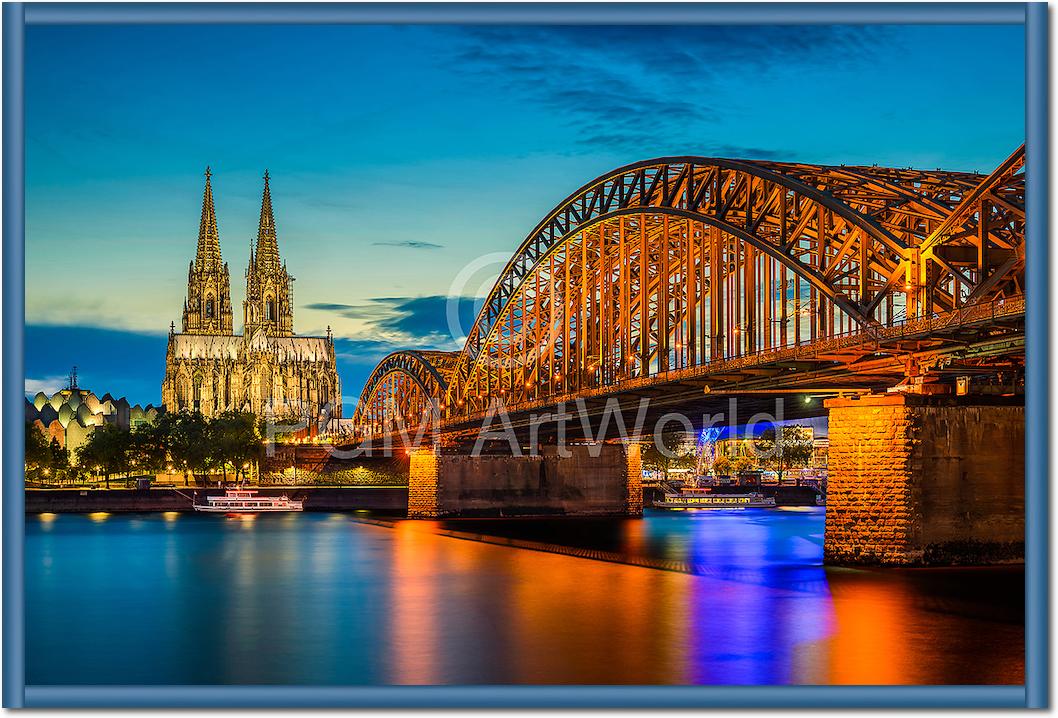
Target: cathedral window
[[270, 310], [209, 308]]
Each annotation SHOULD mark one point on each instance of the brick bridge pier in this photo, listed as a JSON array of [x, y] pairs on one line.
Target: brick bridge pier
[[599, 480], [913, 479], [918, 479]]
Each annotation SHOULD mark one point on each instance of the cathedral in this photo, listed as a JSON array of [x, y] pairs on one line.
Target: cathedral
[[267, 370]]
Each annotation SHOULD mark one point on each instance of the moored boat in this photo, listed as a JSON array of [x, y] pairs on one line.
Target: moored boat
[[245, 501], [705, 498]]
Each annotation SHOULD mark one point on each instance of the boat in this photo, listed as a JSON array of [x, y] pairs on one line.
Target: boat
[[245, 501], [705, 498]]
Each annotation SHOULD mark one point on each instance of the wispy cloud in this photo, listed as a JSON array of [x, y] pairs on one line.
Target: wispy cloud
[[410, 244], [427, 322], [622, 89]]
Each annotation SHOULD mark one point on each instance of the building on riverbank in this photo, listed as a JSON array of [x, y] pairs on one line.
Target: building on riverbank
[[70, 415]]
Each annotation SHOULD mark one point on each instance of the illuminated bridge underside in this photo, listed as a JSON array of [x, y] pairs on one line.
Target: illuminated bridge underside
[[673, 267]]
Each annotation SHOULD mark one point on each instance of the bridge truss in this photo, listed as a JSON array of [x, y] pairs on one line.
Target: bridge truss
[[671, 264]]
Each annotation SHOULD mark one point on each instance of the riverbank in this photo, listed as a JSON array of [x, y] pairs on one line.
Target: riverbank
[[382, 499]]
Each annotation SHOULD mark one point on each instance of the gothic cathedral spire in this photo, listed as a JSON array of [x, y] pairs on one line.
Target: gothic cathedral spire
[[269, 289], [208, 306], [267, 250]]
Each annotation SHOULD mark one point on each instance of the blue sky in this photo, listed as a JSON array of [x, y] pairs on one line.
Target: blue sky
[[409, 162]]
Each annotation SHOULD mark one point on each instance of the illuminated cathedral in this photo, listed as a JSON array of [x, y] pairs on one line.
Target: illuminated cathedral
[[266, 370]]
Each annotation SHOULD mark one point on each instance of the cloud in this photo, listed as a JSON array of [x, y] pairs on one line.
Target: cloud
[[49, 385], [427, 322], [650, 89], [409, 243]]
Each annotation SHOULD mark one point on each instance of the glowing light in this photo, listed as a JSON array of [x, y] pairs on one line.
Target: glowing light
[[98, 516], [47, 517], [170, 516]]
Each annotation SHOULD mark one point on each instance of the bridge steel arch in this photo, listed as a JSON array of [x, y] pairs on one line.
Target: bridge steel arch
[[676, 262], [402, 389]]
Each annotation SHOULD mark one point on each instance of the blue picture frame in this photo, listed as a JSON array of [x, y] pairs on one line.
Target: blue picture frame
[[1035, 692]]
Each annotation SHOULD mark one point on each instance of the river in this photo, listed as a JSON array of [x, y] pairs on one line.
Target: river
[[721, 597]]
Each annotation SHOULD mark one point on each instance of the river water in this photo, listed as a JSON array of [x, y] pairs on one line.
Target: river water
[[717, 597]]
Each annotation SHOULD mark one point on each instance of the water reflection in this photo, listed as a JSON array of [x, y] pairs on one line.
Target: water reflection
[[413, 620], [706, 598]]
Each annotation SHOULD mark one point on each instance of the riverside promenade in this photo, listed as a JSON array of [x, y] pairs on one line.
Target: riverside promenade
[[381, 499]]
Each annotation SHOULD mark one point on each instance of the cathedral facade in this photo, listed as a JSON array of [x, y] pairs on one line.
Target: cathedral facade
[[266, 370]]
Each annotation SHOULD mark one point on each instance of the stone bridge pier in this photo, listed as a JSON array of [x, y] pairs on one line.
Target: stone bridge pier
[[915, 479], [599, 480]]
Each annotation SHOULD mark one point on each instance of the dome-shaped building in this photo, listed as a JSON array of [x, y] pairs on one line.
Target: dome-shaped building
[[70, 415]]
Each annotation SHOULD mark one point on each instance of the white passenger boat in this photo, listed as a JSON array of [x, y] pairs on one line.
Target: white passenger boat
[[704, 498], [245, 501]]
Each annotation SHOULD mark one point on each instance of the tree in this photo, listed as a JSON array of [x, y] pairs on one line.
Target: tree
[[668, 451], [38, 456], [189, 445], [234, 441], [788, 448], [107, 450], [731, 465], [722, 465], [149, 446]]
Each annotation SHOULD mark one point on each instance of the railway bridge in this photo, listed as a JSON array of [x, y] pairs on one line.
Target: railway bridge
[[891, 299]]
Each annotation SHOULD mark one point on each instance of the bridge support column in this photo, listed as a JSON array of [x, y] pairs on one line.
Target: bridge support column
[[634, 478], [915, 479], [601, 480], [422, 483]]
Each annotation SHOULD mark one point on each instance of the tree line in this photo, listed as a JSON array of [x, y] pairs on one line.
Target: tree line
[[185, 442]]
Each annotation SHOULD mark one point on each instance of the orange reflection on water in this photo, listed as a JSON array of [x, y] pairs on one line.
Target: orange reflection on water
[[869, 643], [596, 622], [413, 615], [888, 633], [548, 618]]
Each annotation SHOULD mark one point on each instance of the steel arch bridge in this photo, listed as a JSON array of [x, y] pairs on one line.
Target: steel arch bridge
[[675, 263], [404, 387]]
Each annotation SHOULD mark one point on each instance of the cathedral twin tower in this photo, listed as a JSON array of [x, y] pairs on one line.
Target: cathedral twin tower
[[265, 370]]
